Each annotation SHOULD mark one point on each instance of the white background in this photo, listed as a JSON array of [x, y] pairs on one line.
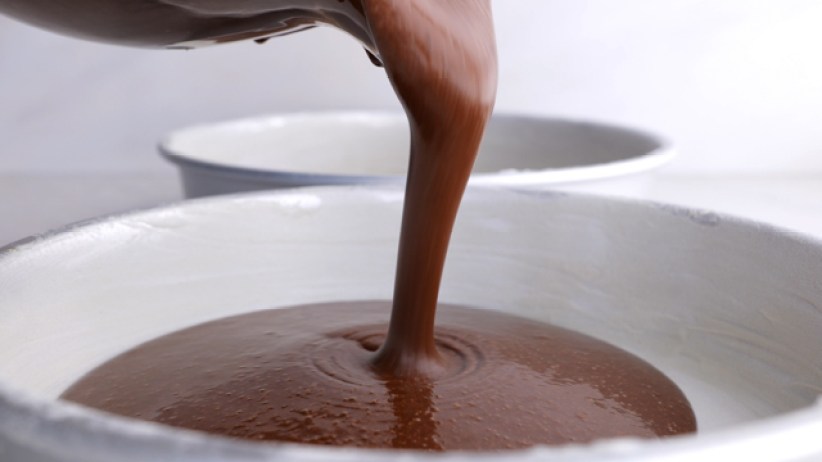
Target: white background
[[737, 84]]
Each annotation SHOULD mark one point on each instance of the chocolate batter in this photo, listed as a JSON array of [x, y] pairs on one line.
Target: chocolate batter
[[331, 374], [304, 375]]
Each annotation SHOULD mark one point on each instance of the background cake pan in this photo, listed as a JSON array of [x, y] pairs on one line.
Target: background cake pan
[[356, 147]]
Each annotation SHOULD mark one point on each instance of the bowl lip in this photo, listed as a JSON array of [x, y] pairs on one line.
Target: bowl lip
[[69, 426], [660, 153]]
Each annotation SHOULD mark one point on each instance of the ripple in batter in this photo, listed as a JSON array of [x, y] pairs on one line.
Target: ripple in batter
[[305, 374]]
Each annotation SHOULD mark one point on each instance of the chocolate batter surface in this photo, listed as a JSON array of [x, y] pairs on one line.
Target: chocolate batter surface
[[304, 374]]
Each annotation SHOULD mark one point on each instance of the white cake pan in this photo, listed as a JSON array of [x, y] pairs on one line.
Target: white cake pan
[[729, 309], [337, 148]]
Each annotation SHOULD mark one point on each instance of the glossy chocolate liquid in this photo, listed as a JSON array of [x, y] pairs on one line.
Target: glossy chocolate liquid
[[338, 374], [305, 375]]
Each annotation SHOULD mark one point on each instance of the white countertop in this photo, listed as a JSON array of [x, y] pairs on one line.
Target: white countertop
[[31, 204]]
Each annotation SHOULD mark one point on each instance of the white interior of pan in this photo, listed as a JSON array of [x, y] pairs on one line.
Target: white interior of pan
[[729, 310]]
